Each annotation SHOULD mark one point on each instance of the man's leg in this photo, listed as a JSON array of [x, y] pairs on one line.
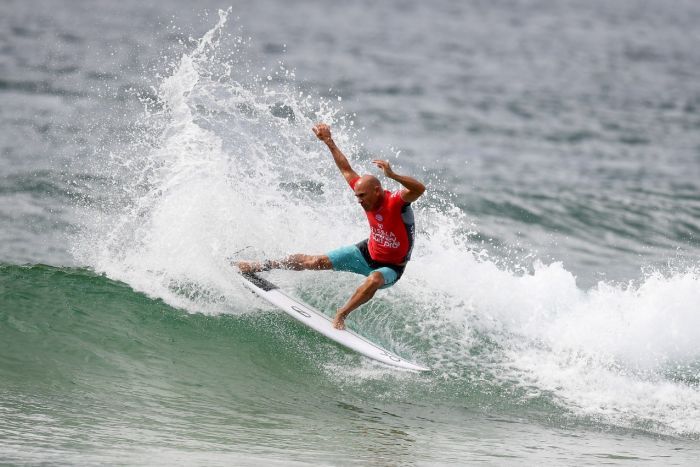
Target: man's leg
[[362, 295], [297, 262]]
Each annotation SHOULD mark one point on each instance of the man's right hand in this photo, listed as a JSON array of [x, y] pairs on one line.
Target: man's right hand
[[322, 132]]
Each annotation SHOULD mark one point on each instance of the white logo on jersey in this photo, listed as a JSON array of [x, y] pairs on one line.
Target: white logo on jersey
[[387, 239]]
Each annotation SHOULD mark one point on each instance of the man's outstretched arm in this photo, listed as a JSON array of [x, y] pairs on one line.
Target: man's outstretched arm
[[323, 132], [413, 189]]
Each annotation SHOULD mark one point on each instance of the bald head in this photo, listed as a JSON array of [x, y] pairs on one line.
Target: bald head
[[369, 192], [369, 182]]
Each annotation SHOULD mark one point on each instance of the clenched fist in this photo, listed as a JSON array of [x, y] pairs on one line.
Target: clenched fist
[[322, 132]]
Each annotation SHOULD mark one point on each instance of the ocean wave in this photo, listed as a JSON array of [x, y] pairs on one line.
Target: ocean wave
[[227, 171]]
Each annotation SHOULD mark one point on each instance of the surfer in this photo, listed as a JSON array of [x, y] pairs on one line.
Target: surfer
[[383, 256]]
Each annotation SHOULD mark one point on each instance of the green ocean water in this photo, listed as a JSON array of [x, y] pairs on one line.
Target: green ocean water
[[95, 372], [88, 360]]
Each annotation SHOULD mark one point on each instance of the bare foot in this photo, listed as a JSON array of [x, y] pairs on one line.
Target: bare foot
[[248, 266], [339, 322]]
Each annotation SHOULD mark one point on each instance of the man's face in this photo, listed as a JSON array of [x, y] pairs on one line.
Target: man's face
[[367, 195]]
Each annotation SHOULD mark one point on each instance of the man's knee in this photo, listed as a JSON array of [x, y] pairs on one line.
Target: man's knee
[[375, 280]]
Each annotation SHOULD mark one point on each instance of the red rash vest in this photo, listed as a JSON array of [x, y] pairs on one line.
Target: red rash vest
[[392, 229]]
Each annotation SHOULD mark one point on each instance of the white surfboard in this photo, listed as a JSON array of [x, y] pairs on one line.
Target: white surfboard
[[323, 324]]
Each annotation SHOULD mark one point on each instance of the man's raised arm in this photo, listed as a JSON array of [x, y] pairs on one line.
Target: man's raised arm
[[323, 132], [413, 189]]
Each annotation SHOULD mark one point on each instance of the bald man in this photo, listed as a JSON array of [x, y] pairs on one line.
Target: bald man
[[382, 257]]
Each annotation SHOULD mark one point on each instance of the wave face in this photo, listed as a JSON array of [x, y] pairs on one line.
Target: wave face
[[149, 349], [96, 372]]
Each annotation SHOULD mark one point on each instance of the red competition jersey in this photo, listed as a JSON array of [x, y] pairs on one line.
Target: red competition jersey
[[392, 229]]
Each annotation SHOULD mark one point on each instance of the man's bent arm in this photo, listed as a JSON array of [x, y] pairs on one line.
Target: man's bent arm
[[413, 189], [323, 132]]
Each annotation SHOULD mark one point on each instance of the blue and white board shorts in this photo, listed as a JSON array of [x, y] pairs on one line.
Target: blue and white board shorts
[[355, 258]]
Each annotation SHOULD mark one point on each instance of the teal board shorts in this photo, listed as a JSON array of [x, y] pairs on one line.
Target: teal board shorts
[[355, 258]]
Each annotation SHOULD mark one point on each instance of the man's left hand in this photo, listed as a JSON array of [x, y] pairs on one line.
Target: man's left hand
[[384, 166]]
